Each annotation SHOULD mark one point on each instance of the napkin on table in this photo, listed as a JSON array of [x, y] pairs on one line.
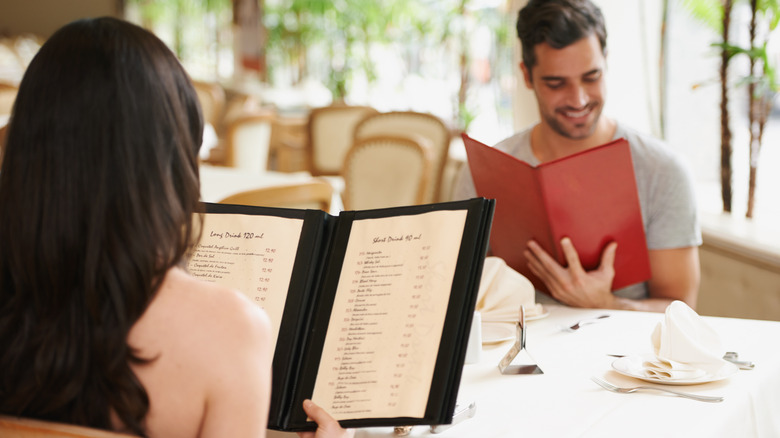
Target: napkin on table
[[501, 292], [685, 346]]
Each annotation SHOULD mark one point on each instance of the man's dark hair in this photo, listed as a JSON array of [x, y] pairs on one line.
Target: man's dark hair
[[98, 189], [558, 23]]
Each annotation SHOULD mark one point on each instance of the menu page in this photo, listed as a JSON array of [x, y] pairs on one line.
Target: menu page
[[388, 315], [254, 254]]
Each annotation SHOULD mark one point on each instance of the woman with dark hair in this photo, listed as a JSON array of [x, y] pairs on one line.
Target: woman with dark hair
[[99, 324]]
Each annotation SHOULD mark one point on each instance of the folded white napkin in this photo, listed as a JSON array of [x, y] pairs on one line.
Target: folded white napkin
[[685, 346], [501, 292], [671, 370]]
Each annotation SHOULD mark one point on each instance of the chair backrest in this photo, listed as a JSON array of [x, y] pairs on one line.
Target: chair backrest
[[212, 102], [386, 171], [12, 66], [12, 427], [404, 123], [3, 133], [7, 98], [247, 142], [315, 194], [330, 136]]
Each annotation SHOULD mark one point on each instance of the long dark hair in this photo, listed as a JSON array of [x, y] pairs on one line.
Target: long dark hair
[[98, 188]]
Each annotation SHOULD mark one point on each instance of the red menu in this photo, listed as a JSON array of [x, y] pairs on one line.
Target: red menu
[[590, 197]]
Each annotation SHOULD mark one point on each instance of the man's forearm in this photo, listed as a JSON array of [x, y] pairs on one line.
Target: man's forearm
[[646, 305]]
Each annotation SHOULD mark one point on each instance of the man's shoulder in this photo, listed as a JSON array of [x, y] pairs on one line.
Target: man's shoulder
[[516, 144], [639, 139], [646, 147]]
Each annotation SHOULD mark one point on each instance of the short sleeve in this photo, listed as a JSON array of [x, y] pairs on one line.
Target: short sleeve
[[667, 195]]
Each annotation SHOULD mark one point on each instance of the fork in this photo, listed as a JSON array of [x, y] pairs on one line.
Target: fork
[[610, 387]]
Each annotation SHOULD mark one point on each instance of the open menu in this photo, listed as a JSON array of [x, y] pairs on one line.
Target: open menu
[[590, 197], [371, 310]]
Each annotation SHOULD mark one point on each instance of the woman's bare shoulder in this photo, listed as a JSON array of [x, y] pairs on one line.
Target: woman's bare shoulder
[[196, 298], [187, 307], [209, 347]]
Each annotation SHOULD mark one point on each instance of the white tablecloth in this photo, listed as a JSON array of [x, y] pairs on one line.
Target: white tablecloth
[[564, 402], [216, 182]]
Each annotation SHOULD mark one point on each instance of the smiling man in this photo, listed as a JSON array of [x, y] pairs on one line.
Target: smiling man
[[564, 64]]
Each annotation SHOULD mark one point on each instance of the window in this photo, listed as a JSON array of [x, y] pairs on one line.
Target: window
[[693, 115]]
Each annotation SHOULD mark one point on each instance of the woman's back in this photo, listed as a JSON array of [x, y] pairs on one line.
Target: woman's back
[[211, 350]]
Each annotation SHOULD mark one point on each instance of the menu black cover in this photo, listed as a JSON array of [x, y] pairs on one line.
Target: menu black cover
[[399, 262]]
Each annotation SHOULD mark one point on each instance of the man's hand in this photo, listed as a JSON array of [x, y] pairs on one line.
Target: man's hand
[[573, 285]]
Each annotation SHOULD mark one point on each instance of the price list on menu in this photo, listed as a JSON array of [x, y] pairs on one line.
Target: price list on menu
[[254, 254], [388, 315]]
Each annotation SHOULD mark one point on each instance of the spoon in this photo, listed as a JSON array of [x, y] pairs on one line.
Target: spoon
[[575, 327]]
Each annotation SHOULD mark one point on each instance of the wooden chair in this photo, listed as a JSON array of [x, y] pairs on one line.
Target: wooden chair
[[12, 427], [386, 171], [406, 123], [289, 137], [330, 131], [212, 102], [12, 66], [7, 97], [247, 142], [315, 194], [3, 133]]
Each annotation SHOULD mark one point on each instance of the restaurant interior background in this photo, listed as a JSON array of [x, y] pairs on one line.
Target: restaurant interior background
[[414, 62]]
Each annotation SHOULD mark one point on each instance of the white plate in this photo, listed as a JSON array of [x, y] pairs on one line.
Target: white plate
[[495, 332], [631, 366]]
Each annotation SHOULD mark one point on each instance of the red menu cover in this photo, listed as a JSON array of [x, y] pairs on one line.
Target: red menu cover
[[591, 197]]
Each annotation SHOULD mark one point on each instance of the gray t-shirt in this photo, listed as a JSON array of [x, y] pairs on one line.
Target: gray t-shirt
[[666, 193]]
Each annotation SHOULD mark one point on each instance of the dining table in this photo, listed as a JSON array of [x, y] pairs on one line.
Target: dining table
[[219, 182], [563, 401]]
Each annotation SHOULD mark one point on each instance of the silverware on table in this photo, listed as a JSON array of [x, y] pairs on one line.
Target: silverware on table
[[610, 387], [576, 326], [733, 357], [729, 356]]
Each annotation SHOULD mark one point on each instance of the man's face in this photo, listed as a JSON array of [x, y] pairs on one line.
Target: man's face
[[569, 86]]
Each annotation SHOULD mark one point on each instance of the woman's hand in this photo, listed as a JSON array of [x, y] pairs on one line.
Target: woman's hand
[[327, 427]]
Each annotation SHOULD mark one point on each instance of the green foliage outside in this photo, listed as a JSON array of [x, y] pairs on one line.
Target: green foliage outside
[[334, 41], [759, 78]]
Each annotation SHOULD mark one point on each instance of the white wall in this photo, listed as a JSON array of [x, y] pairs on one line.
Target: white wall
[[43, 17]]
